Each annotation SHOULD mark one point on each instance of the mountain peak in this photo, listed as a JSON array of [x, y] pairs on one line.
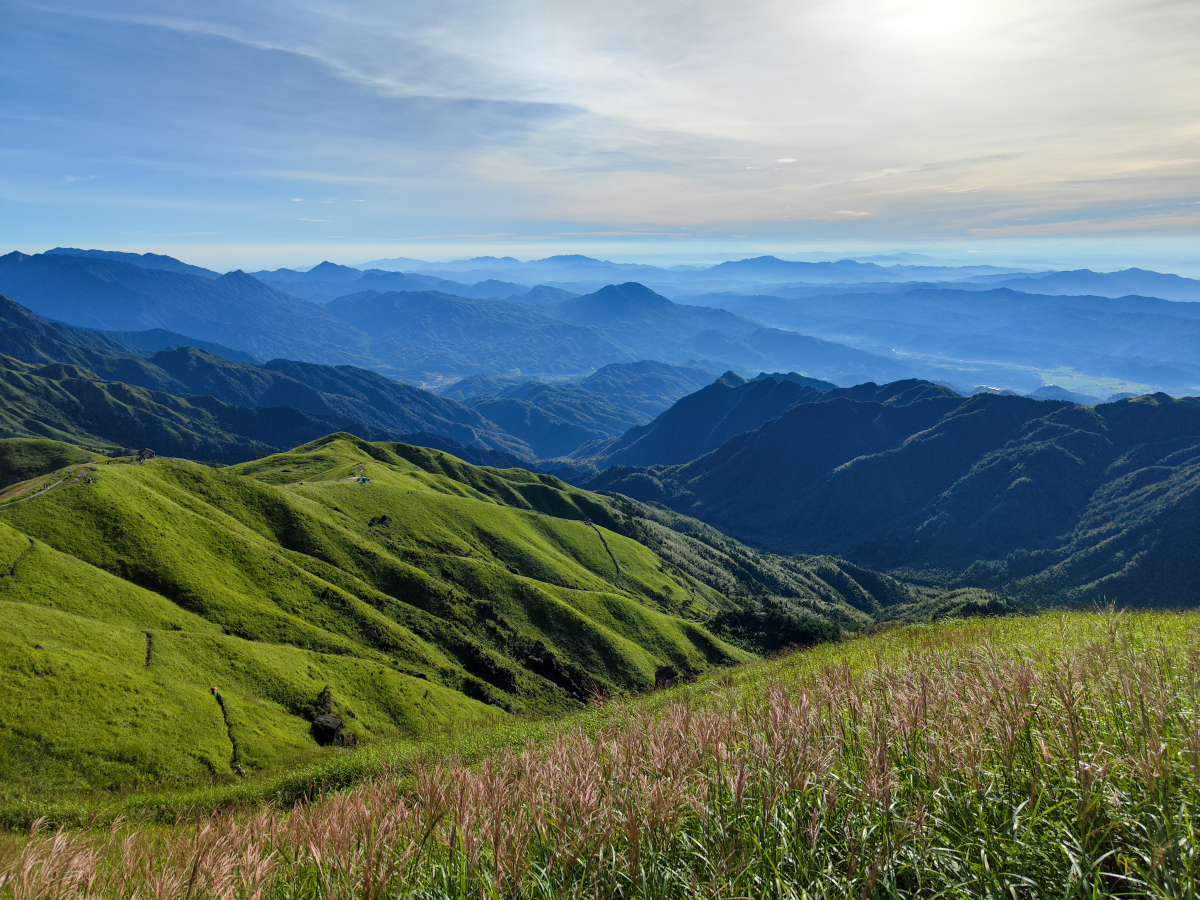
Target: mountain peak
[[615, 303], [243, 281], [326, 266], [731, 379], [141, 260]]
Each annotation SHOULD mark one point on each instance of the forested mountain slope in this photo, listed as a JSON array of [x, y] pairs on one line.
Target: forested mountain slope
[[74, 384], [703, 421], [1045, 498]]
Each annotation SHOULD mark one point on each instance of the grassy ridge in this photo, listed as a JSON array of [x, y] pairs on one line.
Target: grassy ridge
[[1056, 755], [432, 597], [25, 458], [425, 599]]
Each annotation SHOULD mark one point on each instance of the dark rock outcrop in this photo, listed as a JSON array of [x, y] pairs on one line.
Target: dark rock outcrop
[[327, 728]]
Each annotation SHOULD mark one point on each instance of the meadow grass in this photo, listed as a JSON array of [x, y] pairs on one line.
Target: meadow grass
[[426, 600], [1056, 755]]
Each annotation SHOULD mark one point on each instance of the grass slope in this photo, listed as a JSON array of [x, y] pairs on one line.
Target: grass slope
[[25, 458], [1053, 755], [429, 597]]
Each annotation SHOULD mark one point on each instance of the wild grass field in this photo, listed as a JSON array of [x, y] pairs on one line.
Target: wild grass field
[[1055, 755]]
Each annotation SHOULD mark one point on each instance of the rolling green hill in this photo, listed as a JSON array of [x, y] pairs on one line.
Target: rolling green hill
[[419, 598], [25, 458], [432, 595]]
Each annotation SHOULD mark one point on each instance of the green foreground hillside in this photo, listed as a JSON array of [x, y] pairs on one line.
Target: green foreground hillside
[[131, 590], [1044, 756], [164, 624]]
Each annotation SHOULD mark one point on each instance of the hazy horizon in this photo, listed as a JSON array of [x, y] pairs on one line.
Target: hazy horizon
[[250, 135], [1109, 257]]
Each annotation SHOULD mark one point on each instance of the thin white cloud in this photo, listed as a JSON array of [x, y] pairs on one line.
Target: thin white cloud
[[944, 118]]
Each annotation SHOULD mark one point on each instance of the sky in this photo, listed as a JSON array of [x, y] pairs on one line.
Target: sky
[[246, 134]]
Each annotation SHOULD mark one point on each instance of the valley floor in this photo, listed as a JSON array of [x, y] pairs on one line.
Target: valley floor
[[1050, 755]]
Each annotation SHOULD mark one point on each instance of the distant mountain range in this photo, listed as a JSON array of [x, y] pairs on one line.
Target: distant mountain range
[[419, 335], [769, 274], [328, 281], [86, 387], [234, 310], [845, 321], [1041, 498], [197, 404], [141, 260], [504, 277], [584, 274], [1126, 283], [1002, 337]]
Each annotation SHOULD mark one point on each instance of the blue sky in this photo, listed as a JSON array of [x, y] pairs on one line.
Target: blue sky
[[282, 133]]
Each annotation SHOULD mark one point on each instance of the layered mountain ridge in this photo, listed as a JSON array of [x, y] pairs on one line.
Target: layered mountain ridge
[[421, 333], [75, 384], [1044, 498]]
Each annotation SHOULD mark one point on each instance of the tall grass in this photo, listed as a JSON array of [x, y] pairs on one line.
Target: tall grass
[[1057, 756]]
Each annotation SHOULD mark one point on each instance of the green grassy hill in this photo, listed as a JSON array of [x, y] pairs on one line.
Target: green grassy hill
[[436, 593], [424, 593], [24, 458], [1041, 756]]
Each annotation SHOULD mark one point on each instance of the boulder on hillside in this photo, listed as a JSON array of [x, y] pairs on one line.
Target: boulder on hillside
[[327, 728]]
